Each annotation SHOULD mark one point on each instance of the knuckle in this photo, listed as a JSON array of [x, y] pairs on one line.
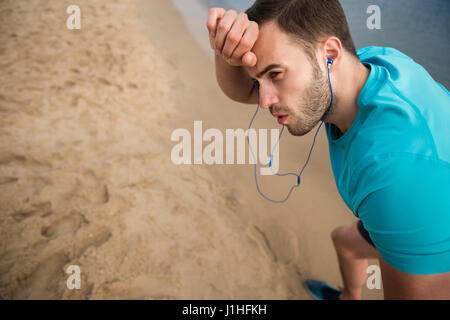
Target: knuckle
[[227, 51], [218, 45], [237, 55], [245, 44], [214, 10], [233, 38], [243, 15], [222, 27], [232, 12]]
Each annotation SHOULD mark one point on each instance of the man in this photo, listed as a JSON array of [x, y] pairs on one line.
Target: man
[[388, 132]]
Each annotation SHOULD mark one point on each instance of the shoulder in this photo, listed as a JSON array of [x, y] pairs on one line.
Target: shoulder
[[373, 51], [403, 73]]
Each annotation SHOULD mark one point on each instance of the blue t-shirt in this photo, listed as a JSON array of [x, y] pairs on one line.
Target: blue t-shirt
[[392, 167]]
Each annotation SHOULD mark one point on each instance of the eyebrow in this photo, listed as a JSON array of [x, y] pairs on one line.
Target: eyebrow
[[267, 69]]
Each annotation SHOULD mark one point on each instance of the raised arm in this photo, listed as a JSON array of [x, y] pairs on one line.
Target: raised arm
[[232, 37]]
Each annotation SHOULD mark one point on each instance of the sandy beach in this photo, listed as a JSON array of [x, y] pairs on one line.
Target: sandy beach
[[86, 176]]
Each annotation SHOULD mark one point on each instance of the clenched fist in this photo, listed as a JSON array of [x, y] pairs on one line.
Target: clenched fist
[[232, 36]]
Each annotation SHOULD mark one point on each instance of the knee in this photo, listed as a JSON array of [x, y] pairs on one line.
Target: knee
[[339, 236]]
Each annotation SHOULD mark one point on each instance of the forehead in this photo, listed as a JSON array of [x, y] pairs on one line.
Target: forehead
[[275, 46]]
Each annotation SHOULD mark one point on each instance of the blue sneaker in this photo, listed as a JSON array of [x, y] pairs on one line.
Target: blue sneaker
[[322, 290]]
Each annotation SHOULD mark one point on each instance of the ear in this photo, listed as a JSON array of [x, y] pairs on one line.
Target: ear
[[332, 49]]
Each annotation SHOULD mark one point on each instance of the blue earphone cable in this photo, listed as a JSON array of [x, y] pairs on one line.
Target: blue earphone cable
[[279, 137]]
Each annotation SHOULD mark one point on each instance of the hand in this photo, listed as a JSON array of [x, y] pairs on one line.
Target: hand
[[232, 36]]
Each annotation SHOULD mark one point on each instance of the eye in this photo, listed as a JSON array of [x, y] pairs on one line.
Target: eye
[[274, 75]]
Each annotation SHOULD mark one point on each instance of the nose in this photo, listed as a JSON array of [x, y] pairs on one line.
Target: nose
[[267, 97]]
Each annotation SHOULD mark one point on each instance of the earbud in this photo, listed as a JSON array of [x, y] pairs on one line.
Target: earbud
[[256, 85]]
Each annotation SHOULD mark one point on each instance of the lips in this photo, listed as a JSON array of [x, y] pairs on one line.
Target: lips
[[281, 117]]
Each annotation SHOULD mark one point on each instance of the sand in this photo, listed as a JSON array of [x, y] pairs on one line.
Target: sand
[[86, 177]]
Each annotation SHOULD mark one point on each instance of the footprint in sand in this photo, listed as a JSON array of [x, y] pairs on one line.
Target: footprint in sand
[[65, 225], [47, 280], [97, 238], [6, 180], [277, 242], [42, 208], [11, 158], [44, 282]]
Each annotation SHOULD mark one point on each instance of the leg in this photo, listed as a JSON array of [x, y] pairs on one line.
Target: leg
[[401, 285], [353, 252]]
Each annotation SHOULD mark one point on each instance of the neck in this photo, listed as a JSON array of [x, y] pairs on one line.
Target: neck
[[348, 81]]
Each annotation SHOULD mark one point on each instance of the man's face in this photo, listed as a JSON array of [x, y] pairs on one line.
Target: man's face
[[294, 88]]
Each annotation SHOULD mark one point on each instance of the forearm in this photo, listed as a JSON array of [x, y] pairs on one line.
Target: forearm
[[235, 82]]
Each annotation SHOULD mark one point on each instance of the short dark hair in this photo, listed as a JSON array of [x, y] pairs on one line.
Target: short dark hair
[[307, 20]]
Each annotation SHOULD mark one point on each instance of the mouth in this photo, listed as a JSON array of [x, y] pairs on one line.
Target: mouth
[[281, 117]]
